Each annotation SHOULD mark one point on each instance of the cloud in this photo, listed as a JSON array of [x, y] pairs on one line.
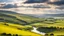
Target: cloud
[[55, 2], [12, 1], [61, 2], [36, 1]]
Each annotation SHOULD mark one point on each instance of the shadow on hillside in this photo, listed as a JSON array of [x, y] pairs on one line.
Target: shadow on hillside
[[49, 29], [5, 17]]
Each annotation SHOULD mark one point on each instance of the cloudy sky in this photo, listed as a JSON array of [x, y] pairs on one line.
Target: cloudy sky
[[56, 2], [12, 1]]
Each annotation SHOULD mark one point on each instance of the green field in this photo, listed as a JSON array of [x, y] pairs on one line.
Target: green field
[[13, 29], [57, 24], [21, 24]]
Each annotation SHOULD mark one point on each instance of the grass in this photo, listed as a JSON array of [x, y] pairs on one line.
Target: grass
[[58, 23], [12, 17], [15, 21], [14, 30], [60, 32]]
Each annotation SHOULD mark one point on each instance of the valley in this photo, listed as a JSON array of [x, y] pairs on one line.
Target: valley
[[20, 24], [31, 17]]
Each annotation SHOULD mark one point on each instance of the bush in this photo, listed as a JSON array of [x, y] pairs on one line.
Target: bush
[[46, 34], [3, 34], [51, 34], [28, 28], [15, 35], [46, 29], [9, 35]]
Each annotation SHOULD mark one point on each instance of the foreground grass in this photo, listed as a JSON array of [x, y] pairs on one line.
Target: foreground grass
[[13, 30]]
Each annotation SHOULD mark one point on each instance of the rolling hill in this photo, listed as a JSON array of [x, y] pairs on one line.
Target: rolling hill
[[12, 17], [11, 20], [12, 23]]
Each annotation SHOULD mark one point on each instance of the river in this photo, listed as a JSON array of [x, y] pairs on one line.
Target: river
[[36, 31]]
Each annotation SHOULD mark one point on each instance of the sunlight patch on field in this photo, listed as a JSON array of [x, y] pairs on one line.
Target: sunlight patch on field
[[8, 29]]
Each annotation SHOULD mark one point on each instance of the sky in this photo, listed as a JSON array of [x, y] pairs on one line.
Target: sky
[[56, 2], [12, 1]]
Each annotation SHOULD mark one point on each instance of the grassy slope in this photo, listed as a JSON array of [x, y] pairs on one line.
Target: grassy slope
[[60, 32], [59, 23], [22, 19], [10, 18], [14, 30], [13, 17]]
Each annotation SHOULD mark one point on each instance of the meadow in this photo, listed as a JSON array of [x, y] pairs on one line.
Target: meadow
[[21, 24]]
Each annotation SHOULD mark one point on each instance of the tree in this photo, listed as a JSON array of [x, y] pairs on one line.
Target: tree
[[46, 34], [3, 34], [15, 35], [28, 28], [51, 34], [9, 35]]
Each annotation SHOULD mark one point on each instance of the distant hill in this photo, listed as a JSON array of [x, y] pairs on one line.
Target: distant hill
[[47, 15], [55, 15]]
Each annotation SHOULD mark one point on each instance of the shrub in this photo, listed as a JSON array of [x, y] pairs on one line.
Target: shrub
[[3, 34], [51, 34], [15, 35], [9, 35], [46, 34]]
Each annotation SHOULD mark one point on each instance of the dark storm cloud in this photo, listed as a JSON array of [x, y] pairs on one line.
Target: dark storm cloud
[[61, 2], [36, 1]]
